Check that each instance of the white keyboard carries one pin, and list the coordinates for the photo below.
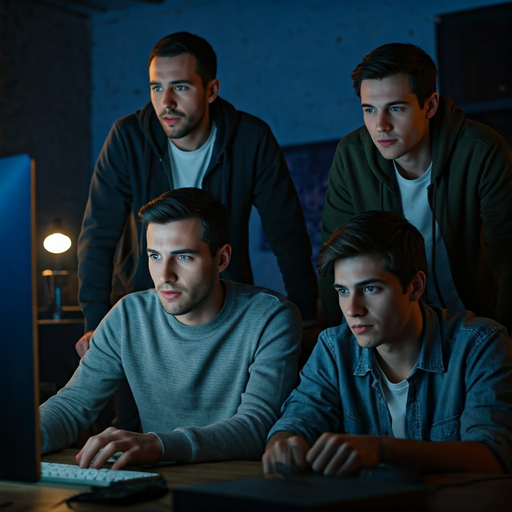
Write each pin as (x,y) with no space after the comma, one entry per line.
(71,474)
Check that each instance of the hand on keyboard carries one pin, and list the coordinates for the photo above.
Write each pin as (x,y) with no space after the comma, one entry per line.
(136,448)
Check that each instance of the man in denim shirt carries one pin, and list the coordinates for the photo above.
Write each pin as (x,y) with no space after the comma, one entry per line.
(398,375)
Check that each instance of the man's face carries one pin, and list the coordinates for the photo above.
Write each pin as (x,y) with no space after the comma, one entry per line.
(373,302)
(185,275)
(396,123)
(180,100)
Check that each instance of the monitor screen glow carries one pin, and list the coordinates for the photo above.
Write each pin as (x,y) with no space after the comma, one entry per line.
(19,426)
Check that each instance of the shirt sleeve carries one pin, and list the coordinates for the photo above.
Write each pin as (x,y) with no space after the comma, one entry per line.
(77,405)
(106,213)
(496,212)
(282,218)
(314,407)
(487,415)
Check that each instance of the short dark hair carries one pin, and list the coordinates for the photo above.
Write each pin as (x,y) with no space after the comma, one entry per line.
(190,203)
(395,59)
(185,42)
(385,235)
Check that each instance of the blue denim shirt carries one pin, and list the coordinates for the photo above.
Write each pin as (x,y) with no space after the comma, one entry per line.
(459,390)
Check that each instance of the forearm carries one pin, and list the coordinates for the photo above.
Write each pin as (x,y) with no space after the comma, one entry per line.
(425,456)
(236,438)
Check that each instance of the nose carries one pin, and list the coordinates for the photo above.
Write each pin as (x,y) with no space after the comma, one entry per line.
(382,122)
(353,305)
(168,274)
(169,99)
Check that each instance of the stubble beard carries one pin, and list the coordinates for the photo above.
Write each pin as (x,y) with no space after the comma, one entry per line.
(190,302)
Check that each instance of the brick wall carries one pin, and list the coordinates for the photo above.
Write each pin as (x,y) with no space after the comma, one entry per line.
(45,98)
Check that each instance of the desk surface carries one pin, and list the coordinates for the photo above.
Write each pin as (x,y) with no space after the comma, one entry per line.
(483,494)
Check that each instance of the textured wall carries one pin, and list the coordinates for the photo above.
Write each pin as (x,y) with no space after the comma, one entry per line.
(286,61)
(45,110)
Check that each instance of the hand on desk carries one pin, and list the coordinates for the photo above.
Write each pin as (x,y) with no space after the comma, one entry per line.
(332,454)
(343,454)
(137,448)
(82,345)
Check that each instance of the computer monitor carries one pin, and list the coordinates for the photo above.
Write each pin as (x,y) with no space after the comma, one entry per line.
(19,420)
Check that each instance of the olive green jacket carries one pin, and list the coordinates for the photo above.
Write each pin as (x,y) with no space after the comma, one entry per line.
(470,195)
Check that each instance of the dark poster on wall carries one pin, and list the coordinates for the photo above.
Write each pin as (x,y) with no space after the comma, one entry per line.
(309,166)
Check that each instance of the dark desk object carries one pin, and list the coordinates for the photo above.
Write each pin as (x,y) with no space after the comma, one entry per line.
(451,492)
(308,493)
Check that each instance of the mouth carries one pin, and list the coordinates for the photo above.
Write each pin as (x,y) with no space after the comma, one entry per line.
(360,329)
(171,121)
(171,117)
(169,294)
(386,142)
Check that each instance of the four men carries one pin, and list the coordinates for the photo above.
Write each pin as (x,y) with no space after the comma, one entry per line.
(211,361)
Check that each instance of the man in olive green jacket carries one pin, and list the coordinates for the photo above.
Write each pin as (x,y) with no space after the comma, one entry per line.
(418,155)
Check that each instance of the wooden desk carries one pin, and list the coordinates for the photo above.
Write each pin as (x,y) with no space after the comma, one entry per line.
(486,496)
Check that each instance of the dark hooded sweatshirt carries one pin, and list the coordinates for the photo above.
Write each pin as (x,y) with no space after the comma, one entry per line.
(247,168)
(470,195)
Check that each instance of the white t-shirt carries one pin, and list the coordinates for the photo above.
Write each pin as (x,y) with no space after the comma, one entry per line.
(189,167)
(396,400)
(417,211)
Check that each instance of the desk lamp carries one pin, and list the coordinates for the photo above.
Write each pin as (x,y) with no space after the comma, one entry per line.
(57,242)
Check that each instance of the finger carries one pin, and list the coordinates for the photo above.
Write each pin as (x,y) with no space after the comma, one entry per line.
(103,455)
(267,460)
(349,466)
(324,454)
(123,460)
(337,461)
(82,346)
(274,455)
(297,459)
(94,444)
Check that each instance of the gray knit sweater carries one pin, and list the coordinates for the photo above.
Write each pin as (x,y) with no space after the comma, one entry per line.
(209,392)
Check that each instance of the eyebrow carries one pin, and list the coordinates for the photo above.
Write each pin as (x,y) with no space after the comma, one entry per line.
(174,82)
(390,104)
(176,251)
(361,284)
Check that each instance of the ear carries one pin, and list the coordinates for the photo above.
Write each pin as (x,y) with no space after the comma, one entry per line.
(432,104)
(224,257)
(418,283)
(212,90)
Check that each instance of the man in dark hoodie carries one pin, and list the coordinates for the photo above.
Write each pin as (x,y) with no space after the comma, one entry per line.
(451,177)
(188,137)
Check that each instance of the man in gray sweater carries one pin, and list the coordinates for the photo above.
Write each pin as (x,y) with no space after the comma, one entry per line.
(209,361)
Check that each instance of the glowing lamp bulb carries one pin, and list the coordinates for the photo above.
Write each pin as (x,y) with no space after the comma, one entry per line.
(57,243)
